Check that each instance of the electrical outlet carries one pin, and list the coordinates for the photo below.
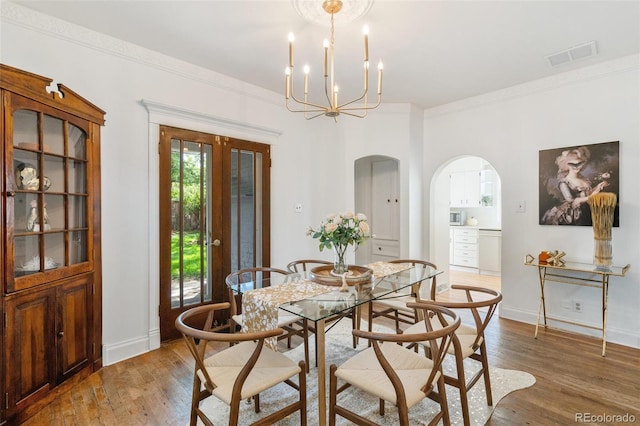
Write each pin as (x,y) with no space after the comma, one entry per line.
(521,206)
(298,208)
(577,306)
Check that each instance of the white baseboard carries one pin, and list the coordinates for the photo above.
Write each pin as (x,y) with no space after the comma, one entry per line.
(117,352)
(614,335)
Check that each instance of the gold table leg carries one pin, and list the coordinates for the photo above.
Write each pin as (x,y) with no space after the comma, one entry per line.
(541,306)
(605,301)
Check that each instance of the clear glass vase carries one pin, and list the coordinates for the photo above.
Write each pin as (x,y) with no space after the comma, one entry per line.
(602,253)
(340,265)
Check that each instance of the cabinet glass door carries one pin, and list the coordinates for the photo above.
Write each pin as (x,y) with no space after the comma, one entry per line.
(48,199)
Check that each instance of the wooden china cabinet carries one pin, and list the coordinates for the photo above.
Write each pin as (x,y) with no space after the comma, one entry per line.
(50,248)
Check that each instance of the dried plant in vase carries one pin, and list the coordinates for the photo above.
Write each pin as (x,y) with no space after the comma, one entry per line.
(602,205)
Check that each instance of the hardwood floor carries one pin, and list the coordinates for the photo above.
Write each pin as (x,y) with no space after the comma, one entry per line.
(571,378)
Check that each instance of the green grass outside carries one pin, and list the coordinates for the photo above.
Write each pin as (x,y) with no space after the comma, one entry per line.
(191,255)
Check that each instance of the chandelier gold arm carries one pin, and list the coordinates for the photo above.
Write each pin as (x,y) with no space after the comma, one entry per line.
(334,108)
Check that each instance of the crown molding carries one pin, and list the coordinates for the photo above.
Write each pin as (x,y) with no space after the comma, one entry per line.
(54,27)
(160,113)
(615,66)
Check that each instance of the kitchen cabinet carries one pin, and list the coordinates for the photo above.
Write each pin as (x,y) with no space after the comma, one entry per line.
(465,189)
(50,245)
(465,247)
(490,251)
(488,187)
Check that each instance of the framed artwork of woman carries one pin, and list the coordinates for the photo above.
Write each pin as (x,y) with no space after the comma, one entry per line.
(569,175)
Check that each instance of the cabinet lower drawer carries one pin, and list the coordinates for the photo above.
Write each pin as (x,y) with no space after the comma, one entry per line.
(389,248)
(469,261)
(465,246)
(465,239)
(465,253)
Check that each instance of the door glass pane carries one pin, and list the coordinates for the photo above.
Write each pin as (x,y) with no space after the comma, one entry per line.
(53,135)
(25,129)
(26,170)
(247,210)
(53,172)
(54,254)
(190,164)
(54,212)
(77,212)
(22,210)
(26,254)
(246,200)
(77,173)
(77,247)
(77,143)
(235,253)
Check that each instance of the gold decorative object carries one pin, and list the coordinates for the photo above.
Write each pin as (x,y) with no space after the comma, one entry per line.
(603,205)
(550,257)
(332,108)
(555,258)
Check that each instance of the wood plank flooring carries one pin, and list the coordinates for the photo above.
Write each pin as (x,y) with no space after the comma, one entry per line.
(571,378)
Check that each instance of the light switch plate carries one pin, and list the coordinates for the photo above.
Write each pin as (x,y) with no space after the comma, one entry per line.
(521,207)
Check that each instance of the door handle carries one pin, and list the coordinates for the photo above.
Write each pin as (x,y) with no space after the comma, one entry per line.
(216,242)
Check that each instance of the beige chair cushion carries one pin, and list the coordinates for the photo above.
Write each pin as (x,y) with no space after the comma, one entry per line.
(365,372)
(270,369)
(399,303)
(465,334)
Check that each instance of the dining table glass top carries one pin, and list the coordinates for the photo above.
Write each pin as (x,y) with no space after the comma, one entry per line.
(325,301)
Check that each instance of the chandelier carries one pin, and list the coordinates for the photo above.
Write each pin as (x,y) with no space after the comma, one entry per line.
(333,108)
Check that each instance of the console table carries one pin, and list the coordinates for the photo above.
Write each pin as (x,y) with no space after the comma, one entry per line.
(581,274)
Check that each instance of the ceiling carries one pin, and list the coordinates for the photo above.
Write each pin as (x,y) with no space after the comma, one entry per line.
(434,52)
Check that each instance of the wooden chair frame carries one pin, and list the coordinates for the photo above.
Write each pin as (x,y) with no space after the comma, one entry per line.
(481,319)
(303,265)
(401,315)
(251,275)
(197,340)
(438,340)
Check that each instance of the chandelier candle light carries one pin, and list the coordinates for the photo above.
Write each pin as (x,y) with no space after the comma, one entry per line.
(334,108)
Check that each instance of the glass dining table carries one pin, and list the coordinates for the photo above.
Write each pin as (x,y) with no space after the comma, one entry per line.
(318,303)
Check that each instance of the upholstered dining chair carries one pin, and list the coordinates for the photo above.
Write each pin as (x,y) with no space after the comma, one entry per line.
(292,325)
(394,373)
(469,340)
(239,372)
(395,306)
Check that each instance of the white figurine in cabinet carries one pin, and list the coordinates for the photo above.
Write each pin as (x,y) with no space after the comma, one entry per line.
(33,224)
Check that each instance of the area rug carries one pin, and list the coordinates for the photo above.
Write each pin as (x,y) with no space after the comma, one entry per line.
(338,349)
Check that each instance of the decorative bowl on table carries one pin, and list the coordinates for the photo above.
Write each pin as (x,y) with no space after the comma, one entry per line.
(356,275)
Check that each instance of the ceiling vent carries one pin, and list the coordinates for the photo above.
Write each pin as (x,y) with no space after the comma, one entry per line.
(582,51)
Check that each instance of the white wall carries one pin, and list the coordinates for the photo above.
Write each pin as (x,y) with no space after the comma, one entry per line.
(591,105)
(311,164)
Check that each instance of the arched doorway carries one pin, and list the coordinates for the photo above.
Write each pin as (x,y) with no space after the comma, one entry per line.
(377,188)
(469,248)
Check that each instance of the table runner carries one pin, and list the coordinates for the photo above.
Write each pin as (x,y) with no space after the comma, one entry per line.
(260,306)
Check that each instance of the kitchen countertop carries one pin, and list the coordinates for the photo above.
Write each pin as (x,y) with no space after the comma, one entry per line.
(480,228)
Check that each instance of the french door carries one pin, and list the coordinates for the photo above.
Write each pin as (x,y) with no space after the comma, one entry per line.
(214,217)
